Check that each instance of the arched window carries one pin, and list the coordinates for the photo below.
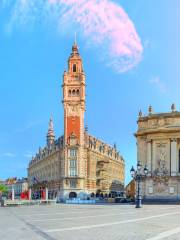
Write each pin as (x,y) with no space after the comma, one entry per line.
(77,92)
(74,68)
(73,92)
(69,92)
(72,185)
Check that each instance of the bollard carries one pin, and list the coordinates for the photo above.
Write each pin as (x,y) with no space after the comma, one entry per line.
(30,194)
(47,194)
(12,194)
(2,202)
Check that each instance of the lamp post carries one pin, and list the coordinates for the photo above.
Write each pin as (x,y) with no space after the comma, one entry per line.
(138,175)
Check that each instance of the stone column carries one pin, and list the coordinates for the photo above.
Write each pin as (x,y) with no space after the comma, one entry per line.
(12,194)
(149,157)
(173,157)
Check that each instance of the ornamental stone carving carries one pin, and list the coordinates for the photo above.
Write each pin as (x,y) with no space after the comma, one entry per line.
(160,183)
(152,123)
(73,110)
(169,121)
(161,122)
(161,160)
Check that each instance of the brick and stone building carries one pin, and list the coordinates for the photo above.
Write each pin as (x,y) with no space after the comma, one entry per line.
(158,147)
(77,163)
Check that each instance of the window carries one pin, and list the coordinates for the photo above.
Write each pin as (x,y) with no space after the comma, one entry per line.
(72,168)
(69,92)
(74,68)
(77,92)
(171,190)
(73,152)
(73,172)
(73,92)
(72,183)
(73,163)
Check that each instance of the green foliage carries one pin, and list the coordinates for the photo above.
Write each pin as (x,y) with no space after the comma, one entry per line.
(3,189)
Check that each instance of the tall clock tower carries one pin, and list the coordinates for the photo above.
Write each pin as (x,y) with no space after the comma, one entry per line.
(74,108)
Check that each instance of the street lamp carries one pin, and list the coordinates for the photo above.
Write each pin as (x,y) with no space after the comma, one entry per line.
(138,175)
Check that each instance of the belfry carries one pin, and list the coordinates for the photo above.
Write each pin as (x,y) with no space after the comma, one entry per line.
(76,164)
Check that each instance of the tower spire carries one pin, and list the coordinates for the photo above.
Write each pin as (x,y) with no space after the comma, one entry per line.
(75,48)
(50,134)
(75,38)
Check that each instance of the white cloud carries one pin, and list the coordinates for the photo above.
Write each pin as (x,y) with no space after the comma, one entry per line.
(28,126)
(9,154)
(156,82)
(28,154)
(103,24)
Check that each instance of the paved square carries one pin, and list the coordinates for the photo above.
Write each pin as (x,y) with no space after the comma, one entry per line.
(91,222)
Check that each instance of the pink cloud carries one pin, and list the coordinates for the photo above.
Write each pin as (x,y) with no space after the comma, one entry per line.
(103,24)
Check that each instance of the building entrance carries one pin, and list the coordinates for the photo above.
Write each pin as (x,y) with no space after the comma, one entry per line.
(72,195)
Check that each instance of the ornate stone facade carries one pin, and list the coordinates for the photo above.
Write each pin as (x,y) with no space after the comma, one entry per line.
(158,147)
(77,163)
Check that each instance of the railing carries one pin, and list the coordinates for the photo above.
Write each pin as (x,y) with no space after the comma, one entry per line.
(17,202)
(80,201)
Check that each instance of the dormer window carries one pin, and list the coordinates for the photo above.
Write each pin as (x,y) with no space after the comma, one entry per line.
(74,68)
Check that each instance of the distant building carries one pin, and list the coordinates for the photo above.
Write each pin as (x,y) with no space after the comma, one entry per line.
(77,163)
(2,182)
(11,180)
(19,185)
(10,183)
(158,146)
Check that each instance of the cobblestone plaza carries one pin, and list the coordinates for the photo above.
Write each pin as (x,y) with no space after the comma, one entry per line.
(90,222)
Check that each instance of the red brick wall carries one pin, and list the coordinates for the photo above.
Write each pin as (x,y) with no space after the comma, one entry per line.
(73,125)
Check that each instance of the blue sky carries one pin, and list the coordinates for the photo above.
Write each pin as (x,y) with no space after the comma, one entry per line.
(34,56)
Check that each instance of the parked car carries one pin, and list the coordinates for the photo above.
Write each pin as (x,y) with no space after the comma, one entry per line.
(122,200)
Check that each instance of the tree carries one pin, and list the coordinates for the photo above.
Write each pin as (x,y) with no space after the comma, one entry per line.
(3,189)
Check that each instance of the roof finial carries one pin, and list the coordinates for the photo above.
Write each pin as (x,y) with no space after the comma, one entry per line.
(50,134)
(140,113)
(51,124)
(173,107)
(75,38)
(75,46)
(50,128)
(150,109)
